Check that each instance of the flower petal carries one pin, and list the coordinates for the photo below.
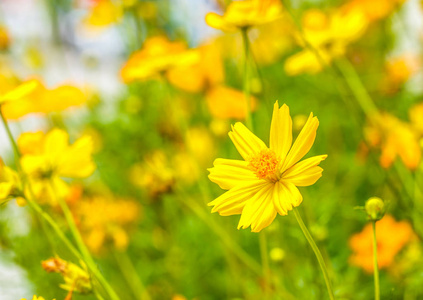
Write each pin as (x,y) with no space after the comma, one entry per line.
(228,173)
(245,141)
(281,131)
(233,201)
(259,211)
(285,196)
(217,21)
(306,172)
(303,142)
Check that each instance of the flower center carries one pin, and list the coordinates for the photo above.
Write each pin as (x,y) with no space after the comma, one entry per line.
(265,165)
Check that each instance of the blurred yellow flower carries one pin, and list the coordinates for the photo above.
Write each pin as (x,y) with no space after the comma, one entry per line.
(395,138)
(265,183)
(228,103)
(157,56)
(76,278)
(48,157)
(104,13)
(154,174)
(4,38)
(10,184)
(398,71)
(32,97)
(110,222)
(391,236)
(373,10)
(208,71)
(415,114)
(245,14)
(329,35)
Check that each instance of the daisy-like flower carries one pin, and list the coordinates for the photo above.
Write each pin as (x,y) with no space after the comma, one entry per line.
(265,182)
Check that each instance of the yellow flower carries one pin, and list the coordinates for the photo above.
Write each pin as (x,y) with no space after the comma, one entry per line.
(244,14)
(4,38)
(208,71)
(33,97)
(109,223)
(104,13)
(388,244)
(76,278)
(373,10)
(228,103)
(398,71)
(265,182)
(329,35)
(10,184)
(157,55)
(48,157)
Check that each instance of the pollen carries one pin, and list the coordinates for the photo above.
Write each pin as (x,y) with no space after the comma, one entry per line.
(264,164)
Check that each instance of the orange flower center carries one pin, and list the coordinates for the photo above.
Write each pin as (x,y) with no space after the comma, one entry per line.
(265,165)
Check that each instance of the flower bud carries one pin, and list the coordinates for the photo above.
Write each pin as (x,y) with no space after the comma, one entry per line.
(375,208)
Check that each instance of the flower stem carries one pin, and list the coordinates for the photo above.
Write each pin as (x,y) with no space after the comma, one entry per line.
(375,266)
(316,252)
(81,245)
(130,273)
(265,262)
(247,93)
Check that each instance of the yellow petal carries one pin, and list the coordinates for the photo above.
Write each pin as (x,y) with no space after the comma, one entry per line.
(259,211)
(303,142)
(305,173)
(56,142)
(281,131)
(293,194)
(77,161)
(216,21)
(233,201)
(245,141)
(21,91)
(228,173)
(281,199)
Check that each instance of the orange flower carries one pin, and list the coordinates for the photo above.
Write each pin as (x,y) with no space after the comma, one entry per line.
(228,103)
(392,236)
(395,138)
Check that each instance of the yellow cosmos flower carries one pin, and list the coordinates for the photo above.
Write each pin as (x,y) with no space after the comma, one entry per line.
(329,35)
(48,157)
(228,103)
(244,14)
(33,97)
(10,185)
(104,13)
(157,55)
(265,182)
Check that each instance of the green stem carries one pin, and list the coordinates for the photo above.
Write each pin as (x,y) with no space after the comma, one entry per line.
(265,262)
(316,252)
(375,267)
(130,273)
(81,245)
(247,93)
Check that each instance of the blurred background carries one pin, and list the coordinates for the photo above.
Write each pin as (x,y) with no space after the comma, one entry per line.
(156,88)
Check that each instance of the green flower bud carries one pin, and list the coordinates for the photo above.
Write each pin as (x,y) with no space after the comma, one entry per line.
(375,208)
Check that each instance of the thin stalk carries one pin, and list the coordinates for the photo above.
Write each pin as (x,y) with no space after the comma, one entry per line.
(130,273)
(316,252)
(265,262)
(247,92)
(81,245)
(375,266)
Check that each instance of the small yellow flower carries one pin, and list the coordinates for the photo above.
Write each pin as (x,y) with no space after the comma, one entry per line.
(76,278)
(265,183)
(245,14)
(19,92)
(10,184)
(104,13)
(157,55)
(4,38)
(46,158)
(329,35)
